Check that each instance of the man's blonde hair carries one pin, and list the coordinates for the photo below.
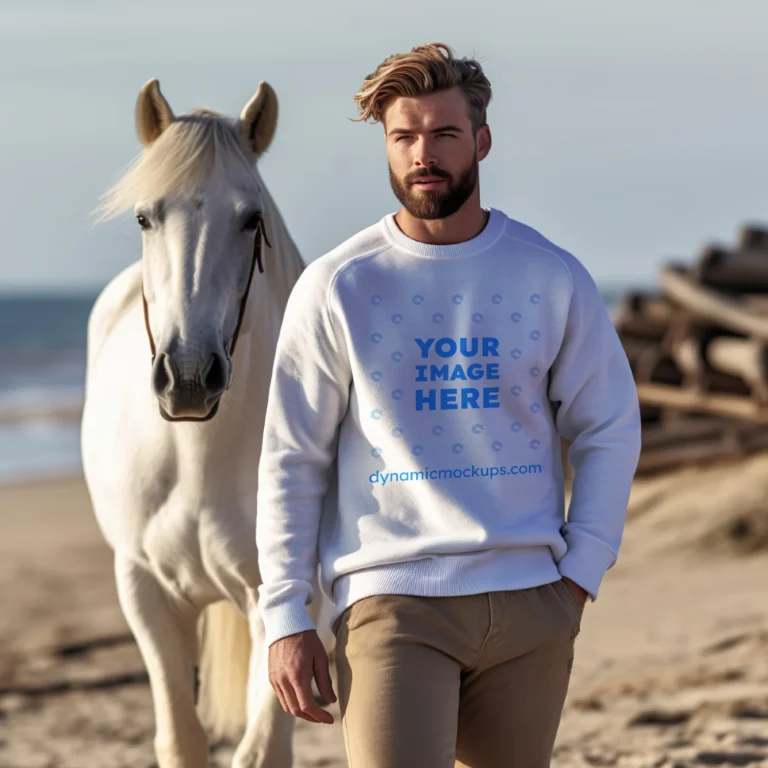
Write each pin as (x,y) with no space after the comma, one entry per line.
(425,69)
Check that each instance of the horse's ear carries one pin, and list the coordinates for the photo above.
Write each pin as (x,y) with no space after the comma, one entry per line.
(258,119)
(153,113)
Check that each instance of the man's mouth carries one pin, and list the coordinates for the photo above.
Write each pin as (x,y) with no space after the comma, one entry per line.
(428,182)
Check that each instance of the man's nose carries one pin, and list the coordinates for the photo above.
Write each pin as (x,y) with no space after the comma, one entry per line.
(425,155)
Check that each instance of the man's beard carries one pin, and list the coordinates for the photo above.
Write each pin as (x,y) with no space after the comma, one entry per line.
(434,204)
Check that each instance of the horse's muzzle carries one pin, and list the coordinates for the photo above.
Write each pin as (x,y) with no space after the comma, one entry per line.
(186,392)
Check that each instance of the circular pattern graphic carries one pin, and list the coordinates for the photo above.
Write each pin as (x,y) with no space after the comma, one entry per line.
(377,375)
(515,317)
(397,432)
(535,408)
(438,430)
(397,394)
(496,298)
(535,298)
(457,447)
(376,338)
(457,298)
(515,426)
(535,371)
(477,428)
(376,299)
(397,318)
(535,334)
(417,450)
(496,445)
(418,299)
(376,414)
(437,318)
(516,390)
(477,317)
(516,354)
(376,452)
(535,444)
(397,356)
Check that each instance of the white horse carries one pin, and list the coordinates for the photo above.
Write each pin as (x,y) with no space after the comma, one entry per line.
(180,352)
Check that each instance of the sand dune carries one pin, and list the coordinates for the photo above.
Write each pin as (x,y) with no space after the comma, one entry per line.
(671,666)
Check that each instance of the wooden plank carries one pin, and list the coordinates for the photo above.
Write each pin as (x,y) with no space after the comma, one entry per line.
(666,458)
(757,441)
(635,348)
(687,356)
(727,439)
(643,314)
(735,272)
(712,305)
(717,364)
(656,366)
(756,303)
(744,358)
(685,429)
(718,382)
(753,236)
(733,406)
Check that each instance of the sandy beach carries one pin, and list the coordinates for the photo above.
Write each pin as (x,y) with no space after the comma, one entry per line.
(671,664)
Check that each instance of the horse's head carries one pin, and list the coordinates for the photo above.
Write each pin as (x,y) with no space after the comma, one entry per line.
(198,202)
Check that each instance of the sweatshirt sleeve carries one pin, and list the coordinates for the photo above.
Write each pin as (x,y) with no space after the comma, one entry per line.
(596,407)
(308,398)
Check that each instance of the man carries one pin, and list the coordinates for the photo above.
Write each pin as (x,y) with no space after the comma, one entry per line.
(424,373)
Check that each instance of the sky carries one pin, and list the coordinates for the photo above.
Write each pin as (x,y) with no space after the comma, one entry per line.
(629,133)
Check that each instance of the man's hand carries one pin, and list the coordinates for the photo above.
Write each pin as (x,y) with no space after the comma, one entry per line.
(579,595)
(293,661)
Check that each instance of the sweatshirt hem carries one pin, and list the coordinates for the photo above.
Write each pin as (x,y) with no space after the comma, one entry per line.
(449,576)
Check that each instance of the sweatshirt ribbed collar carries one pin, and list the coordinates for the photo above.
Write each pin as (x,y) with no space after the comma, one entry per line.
(485,239)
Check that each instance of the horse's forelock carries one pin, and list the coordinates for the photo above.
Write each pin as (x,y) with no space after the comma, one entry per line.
(178,162)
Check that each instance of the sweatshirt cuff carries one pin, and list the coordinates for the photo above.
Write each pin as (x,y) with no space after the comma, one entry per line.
(586,561)
(286,618)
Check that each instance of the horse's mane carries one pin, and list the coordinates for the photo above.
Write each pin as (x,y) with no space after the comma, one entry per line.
(178,162)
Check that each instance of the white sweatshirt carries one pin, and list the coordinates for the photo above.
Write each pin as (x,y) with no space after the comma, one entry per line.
(411,443)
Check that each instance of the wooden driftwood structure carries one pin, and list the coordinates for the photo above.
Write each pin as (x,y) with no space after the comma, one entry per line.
(698,349)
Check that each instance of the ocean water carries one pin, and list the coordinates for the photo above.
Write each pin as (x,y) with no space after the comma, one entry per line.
(42,378)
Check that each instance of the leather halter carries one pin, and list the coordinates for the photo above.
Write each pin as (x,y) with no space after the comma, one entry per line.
(256,259)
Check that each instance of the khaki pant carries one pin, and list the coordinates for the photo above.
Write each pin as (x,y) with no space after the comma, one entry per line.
(476,681)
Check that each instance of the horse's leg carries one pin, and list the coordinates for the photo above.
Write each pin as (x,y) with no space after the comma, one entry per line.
(166,637)
(267,740)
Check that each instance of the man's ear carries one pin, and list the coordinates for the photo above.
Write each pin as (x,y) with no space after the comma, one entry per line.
(483,141)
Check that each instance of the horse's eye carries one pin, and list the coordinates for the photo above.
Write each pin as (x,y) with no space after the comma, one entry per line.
(252,222)
(143,221)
